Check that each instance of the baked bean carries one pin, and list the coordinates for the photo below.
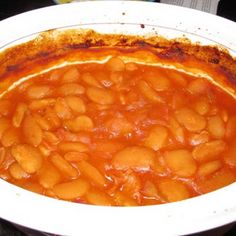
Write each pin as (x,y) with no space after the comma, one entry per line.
(108,146)
(115,64)
(48,176)
(131,185)
(150,190)
(159,83)
(52,118)
(209,151)
(42,122)
(218,180)
(229,156)
(10,137)
(198,86)
(32,131)
(178,100)
(55,75)
(41,103)
(196,139)
(72,189)
(123,200)
(191,120)
(28,157)
(96,197)
(180,162)
(90,80)
(173,190)
(76,104)
(2,154)
(80,123)
(177,77)
(70,89)
(100,96)
(209,168)
(98,107)
(76,156)
(116,77)
(38,91)
(49,193)
(157,138)
(19,114)
(17,172)
(33,187)
(70,76)
(62,109)
(216,127)
(201,106)
(131,66)
(51,137)
(149,92)
(63,166)
(135,157)
(45,151)
(73,147)
(176,130)
(92,173)
(4,125)
(224,115)
(159,166)
(230,131)
(119,126)
(5,108)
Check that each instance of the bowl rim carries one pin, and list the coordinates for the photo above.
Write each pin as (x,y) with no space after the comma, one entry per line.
(61,217)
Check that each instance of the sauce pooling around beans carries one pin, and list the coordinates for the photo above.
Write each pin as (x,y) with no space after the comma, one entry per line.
(119,134)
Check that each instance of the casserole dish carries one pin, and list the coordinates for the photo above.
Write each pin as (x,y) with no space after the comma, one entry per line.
(49,215)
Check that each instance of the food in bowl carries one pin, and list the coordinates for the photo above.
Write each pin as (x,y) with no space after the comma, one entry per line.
(126,122)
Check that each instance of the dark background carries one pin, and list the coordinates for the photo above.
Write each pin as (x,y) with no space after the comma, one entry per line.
(226,8)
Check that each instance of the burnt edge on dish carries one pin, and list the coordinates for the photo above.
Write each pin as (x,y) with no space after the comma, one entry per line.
(55,46)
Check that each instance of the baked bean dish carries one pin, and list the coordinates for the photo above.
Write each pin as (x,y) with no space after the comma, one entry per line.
(126,122)
(118,134)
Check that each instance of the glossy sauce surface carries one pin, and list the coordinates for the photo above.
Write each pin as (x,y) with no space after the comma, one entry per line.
(119,134)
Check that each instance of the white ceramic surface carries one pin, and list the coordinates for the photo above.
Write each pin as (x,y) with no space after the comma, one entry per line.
(65,218)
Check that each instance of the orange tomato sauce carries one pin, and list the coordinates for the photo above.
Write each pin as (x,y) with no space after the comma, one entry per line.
(117,134)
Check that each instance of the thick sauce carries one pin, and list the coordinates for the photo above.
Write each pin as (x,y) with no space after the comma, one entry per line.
(119,134)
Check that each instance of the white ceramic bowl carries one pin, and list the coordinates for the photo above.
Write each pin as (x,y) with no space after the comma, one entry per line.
(60,217)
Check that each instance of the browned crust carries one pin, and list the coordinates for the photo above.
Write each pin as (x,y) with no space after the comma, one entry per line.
(54,46)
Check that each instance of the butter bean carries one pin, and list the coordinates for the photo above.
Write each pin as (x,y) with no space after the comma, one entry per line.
(180,162)
(149,92)
(72,189)
(191,120)
(28,157)
(63,166)
(173,190)
(32,131)
(19,114)
(80,123)
(92,173)
(100,96)
(135,157)
(208,151)
(157,138)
